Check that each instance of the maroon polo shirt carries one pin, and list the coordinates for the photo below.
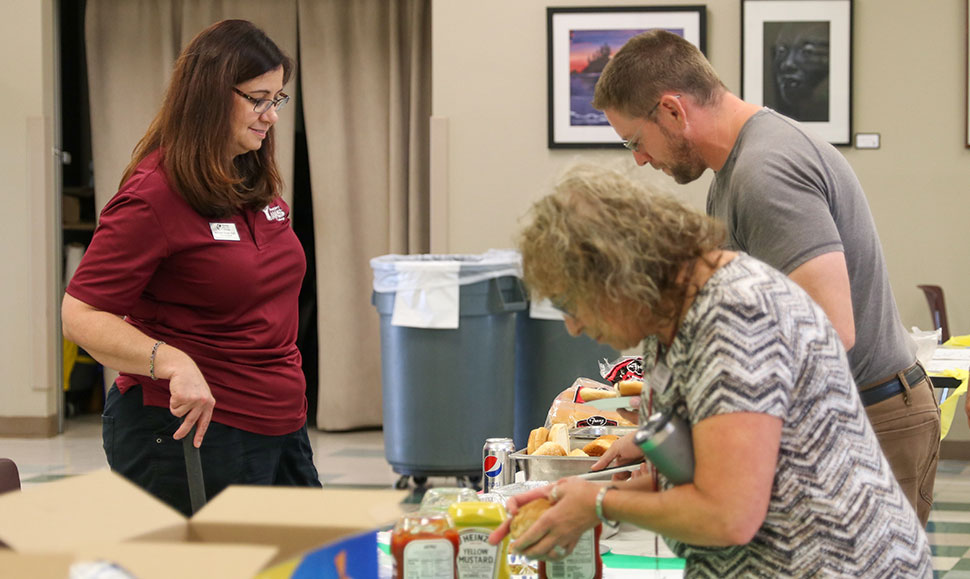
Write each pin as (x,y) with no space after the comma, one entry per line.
(224,290)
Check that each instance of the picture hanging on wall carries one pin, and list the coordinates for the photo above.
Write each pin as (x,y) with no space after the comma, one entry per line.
(580,43)
(796,58)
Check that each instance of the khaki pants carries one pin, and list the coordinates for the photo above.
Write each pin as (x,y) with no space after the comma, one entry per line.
(908,429)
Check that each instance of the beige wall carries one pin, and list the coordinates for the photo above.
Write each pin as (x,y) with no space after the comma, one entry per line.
(490,91)
(490,84)
(27,294)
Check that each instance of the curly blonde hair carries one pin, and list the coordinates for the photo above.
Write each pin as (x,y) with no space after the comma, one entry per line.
(602,239)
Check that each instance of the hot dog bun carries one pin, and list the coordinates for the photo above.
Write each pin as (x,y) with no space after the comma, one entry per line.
(527,515)
(629,387)
(589,394)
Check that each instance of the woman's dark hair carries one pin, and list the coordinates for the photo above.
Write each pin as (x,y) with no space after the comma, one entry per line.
(193,128)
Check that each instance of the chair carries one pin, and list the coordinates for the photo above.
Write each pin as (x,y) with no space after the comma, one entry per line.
(934,297)
(9,476)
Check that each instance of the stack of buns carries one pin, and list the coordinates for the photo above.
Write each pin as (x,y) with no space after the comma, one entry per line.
(549,441)
(555,442)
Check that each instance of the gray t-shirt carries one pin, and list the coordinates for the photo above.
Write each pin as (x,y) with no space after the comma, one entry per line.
(786,197)
(753,341)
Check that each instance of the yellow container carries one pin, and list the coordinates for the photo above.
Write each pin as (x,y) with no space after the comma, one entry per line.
(476,559)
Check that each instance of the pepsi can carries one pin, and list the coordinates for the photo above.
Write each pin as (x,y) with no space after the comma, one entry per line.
(498,468)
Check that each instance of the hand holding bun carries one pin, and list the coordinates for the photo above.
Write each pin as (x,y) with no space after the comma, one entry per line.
(528,514)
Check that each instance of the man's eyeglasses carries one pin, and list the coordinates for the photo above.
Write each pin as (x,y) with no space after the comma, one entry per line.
(633,143)
(262,105)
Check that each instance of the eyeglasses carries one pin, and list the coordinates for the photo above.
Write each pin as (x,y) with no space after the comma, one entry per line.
(633,144)
(262,105)
(564,305)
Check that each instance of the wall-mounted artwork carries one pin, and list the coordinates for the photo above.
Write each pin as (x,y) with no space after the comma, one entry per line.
(580,43)
(796,58)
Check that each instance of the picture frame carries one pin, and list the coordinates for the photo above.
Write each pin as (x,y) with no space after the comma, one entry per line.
(796,58)
(580,40)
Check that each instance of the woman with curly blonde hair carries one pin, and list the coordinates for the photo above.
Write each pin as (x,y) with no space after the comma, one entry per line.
(789,479)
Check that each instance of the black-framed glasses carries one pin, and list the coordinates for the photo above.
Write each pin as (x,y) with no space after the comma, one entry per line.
(633,143)
(262,105)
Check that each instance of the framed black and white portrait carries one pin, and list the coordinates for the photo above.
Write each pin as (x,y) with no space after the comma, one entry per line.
(796,58)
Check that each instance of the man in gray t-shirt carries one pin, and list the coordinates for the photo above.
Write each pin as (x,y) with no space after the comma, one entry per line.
(791,200)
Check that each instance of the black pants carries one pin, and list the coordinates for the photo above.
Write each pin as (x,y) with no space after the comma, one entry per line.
(138,444)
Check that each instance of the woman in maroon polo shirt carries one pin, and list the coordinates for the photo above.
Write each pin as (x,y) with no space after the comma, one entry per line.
(190,285)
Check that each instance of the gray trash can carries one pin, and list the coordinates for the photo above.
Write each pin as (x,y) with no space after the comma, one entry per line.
(446,390)
(547,361)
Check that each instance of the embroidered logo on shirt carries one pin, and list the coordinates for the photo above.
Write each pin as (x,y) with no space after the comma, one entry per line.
(224,231)
(274,213)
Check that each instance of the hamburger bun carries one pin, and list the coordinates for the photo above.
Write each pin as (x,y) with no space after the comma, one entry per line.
(577,452)
(589,394)
(528,514)
(550,449)
(536,438)
(600,445)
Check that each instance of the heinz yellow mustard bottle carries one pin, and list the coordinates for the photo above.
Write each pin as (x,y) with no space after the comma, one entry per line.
(476,559)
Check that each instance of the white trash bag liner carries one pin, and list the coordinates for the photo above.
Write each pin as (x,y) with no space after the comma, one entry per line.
(427,286)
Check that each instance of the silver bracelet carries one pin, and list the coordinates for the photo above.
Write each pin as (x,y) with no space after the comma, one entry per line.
(599,508)
(151,361)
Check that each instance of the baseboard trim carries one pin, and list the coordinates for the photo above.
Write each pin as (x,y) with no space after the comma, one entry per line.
(955,449)
(28,426)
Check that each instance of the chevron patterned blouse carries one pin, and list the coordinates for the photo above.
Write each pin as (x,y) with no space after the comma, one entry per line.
(753,341)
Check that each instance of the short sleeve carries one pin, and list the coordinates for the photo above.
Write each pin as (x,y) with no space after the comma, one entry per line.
(783,213)
(124,254)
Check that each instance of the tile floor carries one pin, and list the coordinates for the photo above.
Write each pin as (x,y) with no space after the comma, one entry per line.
(356,459)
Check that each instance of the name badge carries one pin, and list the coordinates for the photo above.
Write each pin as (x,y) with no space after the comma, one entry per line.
(224,231)
(659,378)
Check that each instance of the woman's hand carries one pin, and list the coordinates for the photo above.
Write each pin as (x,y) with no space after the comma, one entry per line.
(190,396)
(554,534)
(622,451)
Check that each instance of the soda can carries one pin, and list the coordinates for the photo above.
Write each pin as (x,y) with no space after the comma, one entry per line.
(498,468)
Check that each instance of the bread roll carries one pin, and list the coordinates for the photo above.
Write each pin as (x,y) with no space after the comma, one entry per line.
(559,433)
(528,514)
(629,387)
(589,394)
(577,452)
(550,449)
(536,438)
(600,445)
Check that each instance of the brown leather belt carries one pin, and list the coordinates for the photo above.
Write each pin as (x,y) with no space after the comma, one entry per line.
(892,387)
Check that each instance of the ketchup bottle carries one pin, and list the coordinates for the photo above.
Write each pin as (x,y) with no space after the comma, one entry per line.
(584,562)
(424,545)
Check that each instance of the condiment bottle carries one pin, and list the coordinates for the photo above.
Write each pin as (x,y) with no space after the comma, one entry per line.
(476,559)
(440,498)
(424,545)
(584,562)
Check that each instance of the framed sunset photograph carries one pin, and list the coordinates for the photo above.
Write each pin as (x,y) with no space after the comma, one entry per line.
(580,43)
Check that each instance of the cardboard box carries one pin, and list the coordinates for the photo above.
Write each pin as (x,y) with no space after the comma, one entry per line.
(104,515)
